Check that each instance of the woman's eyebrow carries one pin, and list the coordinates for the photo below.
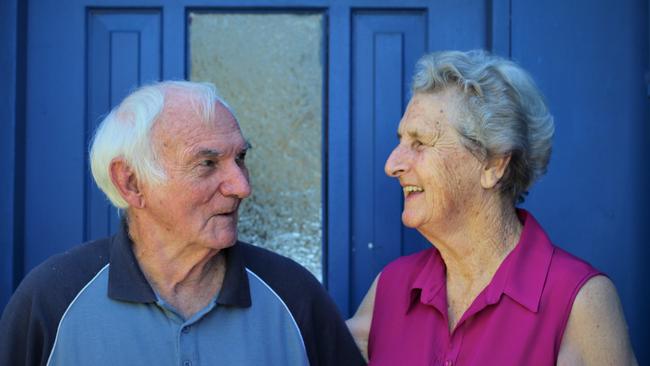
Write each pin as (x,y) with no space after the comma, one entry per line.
(415,134)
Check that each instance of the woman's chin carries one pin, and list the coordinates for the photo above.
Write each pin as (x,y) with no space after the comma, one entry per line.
(410,220)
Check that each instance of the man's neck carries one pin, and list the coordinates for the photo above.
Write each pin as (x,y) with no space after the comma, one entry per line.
(185,275)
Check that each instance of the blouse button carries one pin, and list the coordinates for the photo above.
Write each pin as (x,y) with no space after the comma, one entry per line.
(449,363)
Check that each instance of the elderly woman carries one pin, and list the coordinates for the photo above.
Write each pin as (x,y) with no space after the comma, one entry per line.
(493,289)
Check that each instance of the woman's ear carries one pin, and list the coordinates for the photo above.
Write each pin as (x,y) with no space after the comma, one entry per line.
(124,178)
(494,169)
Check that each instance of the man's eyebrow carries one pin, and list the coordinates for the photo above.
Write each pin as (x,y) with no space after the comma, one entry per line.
(208,153)
(212,153)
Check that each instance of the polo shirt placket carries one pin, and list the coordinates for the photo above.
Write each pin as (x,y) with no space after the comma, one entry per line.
(186,330)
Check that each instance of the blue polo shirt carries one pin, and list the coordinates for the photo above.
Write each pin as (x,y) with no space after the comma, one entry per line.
(93,306)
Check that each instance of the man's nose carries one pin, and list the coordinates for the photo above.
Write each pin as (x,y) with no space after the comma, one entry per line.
(236,183)
(396,164)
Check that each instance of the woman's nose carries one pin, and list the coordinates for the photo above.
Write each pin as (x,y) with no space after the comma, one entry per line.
(396,162)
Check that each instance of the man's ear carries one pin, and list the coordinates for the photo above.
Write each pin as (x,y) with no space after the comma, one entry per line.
(124,178)
(494,169)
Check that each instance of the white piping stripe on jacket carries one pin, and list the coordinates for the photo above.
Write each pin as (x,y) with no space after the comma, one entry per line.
(58,328)
(304,348)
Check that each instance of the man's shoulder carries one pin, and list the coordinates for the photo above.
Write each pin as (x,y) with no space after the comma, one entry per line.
(293,283)
(275,268)
(28,325)
(324,333)
(66,273)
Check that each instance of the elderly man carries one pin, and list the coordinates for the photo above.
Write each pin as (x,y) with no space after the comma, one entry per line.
(173,286)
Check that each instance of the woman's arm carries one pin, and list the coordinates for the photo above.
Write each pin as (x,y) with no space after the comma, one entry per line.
(596,333)
(359,324)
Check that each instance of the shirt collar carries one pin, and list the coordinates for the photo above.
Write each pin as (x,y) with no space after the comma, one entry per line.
(126,282)
(430,284)
(521,276)
(523,273)
(235,290)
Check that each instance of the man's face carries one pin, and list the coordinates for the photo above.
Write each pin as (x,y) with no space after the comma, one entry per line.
(206,176)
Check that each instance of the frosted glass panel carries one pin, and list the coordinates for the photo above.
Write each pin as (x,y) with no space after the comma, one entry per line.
(269,69)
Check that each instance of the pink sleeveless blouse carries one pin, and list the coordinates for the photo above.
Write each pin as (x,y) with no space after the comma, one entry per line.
(518,319)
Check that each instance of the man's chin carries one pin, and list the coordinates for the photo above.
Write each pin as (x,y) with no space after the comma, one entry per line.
(221,243)
(222,237)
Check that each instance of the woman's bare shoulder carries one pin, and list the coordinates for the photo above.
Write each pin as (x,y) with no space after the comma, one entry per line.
(359,324)
(596,333)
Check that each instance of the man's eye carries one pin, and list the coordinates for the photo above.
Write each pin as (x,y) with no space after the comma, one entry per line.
(241,158)
(207,163)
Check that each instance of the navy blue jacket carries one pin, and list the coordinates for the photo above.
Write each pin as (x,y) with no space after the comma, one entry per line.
(93,306)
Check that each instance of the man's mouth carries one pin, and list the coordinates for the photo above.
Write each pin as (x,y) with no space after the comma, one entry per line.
(228,212)
(408,190)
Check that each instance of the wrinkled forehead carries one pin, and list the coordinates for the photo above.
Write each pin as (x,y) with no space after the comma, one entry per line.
(429,113)
(182,109)
(182,125)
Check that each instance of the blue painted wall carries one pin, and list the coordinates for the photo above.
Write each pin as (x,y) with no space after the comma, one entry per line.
(12,149)
(590,58)
(68,62)
(8,27)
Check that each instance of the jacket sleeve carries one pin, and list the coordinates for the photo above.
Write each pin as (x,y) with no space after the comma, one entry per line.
(328,339)
(24,339)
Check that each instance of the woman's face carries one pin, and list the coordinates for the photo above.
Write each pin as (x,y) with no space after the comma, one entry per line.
(440,178)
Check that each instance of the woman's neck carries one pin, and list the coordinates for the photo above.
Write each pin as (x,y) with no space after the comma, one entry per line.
(473,247)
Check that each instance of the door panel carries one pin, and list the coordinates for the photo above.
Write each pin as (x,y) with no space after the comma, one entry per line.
(385,47)
(124,50)
(55,133)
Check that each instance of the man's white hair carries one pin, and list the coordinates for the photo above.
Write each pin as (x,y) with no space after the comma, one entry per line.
(126,132)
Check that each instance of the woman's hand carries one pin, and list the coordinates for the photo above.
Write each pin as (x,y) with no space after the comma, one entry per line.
(596,333)
(359,324)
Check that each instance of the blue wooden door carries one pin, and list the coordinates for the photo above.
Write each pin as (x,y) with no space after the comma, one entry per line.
(68,62)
